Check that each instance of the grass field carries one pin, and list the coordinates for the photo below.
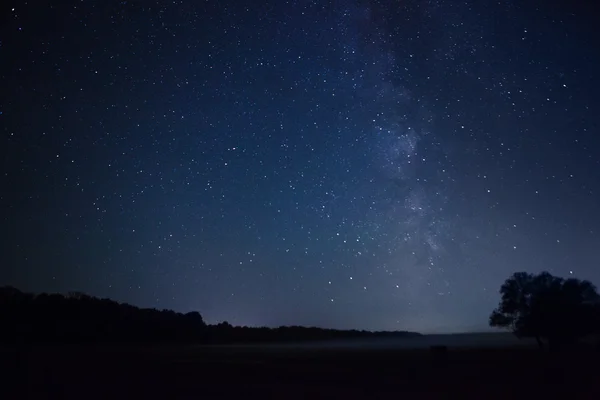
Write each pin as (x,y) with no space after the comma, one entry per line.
(295,372)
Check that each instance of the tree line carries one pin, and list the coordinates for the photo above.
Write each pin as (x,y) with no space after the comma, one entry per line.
(557,312)
(77,317)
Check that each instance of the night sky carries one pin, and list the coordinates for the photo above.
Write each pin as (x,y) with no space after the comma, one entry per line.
(344,164)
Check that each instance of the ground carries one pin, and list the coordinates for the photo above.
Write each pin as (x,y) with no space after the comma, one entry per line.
(199,372)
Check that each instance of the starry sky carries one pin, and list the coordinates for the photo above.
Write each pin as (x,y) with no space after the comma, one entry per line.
(338,163)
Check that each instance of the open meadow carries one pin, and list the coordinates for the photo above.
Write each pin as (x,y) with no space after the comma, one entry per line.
(342,370)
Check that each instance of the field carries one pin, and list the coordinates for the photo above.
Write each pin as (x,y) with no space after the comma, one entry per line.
(296,372)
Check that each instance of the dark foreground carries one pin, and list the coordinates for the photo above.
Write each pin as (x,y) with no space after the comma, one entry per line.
(95,372)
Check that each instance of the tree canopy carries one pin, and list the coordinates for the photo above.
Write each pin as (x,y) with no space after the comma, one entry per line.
(547,307)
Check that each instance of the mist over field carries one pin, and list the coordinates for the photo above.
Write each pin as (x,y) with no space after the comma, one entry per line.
(459,340)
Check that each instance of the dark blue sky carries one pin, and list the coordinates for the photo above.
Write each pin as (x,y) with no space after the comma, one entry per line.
(347,164)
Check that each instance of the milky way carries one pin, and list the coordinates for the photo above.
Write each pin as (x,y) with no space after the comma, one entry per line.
(371,165)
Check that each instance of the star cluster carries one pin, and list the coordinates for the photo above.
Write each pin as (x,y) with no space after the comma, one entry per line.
(359,164)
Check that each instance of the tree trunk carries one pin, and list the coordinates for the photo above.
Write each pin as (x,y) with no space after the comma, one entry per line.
(539,342)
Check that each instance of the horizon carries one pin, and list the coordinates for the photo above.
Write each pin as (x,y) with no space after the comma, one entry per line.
(475,330)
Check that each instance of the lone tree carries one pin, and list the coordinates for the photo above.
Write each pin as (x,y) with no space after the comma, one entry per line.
(546,307)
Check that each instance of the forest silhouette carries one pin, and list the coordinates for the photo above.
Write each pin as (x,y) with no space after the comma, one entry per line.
(550,309)
(77,317)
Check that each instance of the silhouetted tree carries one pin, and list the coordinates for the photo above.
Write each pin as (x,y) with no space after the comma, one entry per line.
(546,307)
